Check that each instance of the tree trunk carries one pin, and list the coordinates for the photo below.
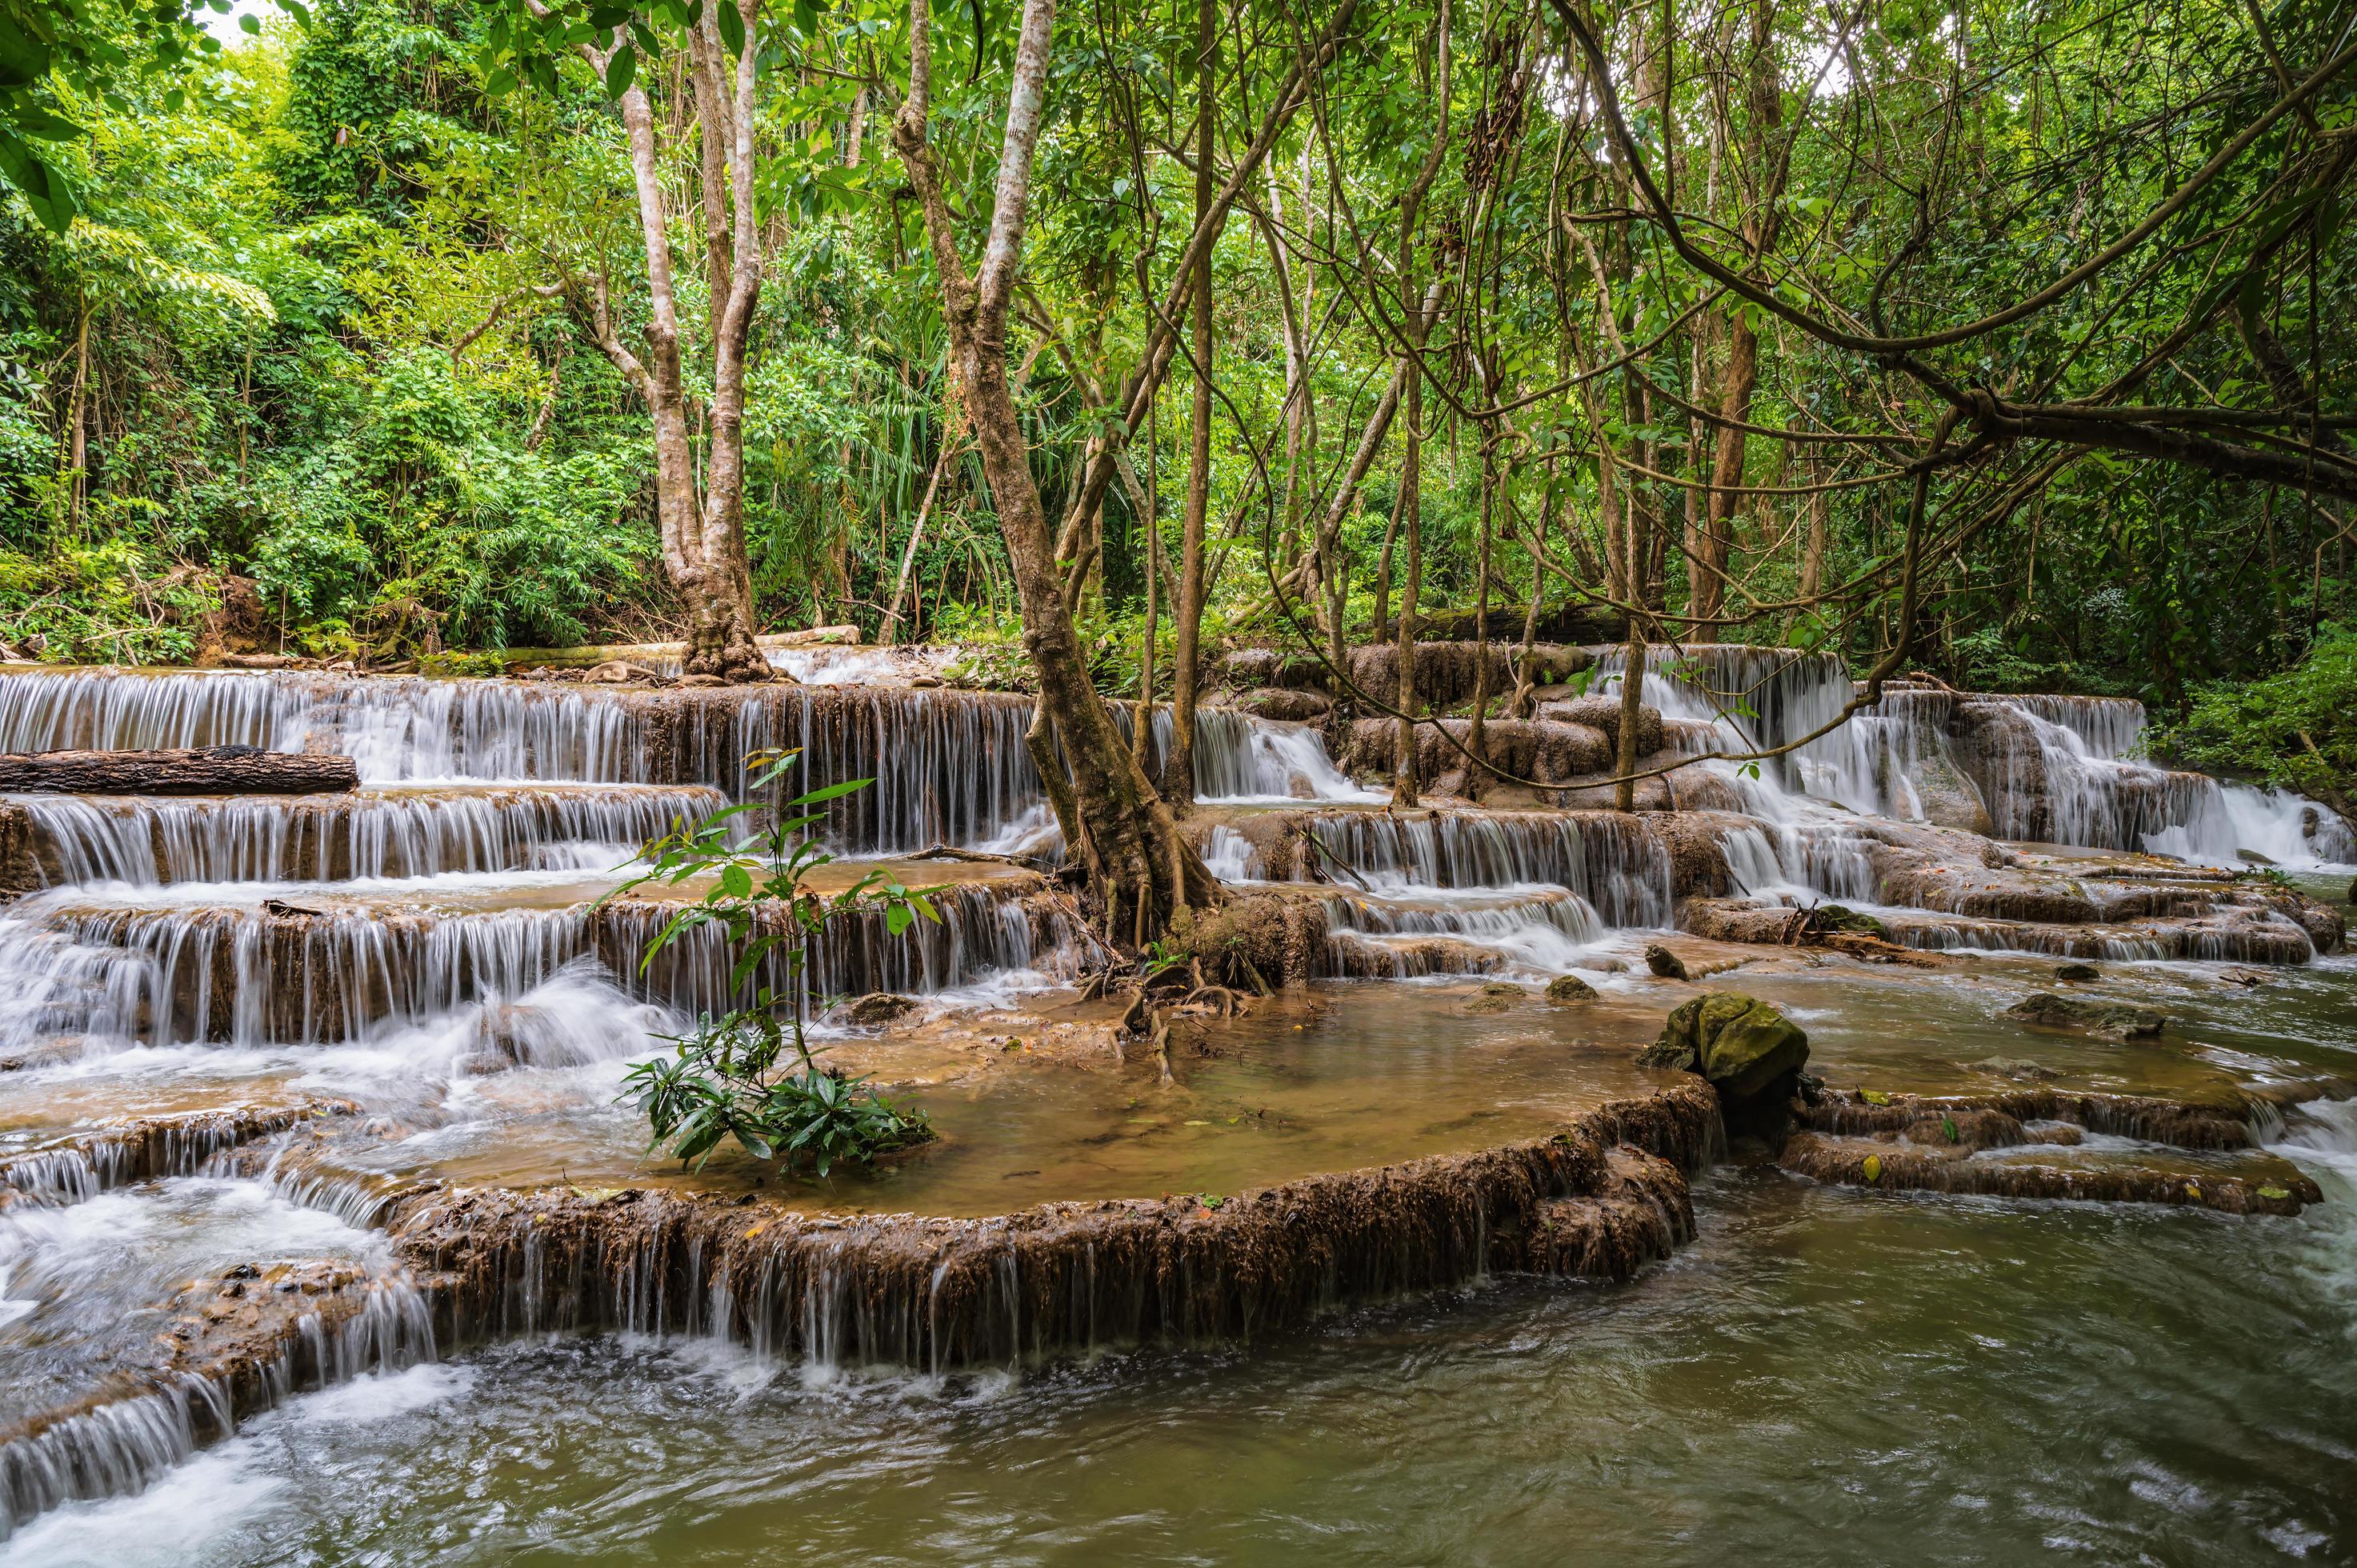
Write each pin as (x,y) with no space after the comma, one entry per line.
(1179,776)
(702,516)
(210,770)
(1632,678)
(1763,183)
(1120,829)
(78,433)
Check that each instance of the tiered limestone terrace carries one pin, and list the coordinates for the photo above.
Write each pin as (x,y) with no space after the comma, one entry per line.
(294,1087)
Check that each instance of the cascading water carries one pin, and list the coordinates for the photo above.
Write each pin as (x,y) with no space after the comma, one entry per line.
(2060,769)
(393,832)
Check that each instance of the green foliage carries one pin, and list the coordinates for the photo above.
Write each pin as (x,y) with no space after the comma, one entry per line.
(2296,730)
(750,1075)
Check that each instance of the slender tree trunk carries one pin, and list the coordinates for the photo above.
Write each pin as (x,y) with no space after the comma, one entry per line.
(1813,544)
(1405,781)
(1763,185)
(700,507)
(1178,777)
(1412,304)
(78,429)
(1632,679)
(1476,736)
(1120,829)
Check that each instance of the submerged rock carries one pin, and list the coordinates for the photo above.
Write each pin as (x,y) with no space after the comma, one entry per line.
(2015,1068)
(1664,964)
(2104,1020)
(1497,997)
(2077,972)
(879,1008)
(1570,988)
(1741,1044)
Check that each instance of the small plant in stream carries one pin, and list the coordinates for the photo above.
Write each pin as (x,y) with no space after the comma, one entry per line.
(750,1074)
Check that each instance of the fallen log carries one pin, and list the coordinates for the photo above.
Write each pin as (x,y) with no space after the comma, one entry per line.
(213,771)
(590,654)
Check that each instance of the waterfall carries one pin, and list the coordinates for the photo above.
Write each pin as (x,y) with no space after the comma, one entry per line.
(1614,862)
(246,976)
(2072,775)
(1241,758)
(393,832)
(1542,934)
(1230,856)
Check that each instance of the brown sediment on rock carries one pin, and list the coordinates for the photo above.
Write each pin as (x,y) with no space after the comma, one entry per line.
(1696,841)
(1601,713)
(1060,1278)
(20,866)
(2243,935)
(1644,1212)
(142,1148)
(1290,704)
(2184,1124)
(2255,1184)
(2104,1019)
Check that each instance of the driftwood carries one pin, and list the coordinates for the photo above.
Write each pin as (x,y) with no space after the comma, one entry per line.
(590,654)
(214,770)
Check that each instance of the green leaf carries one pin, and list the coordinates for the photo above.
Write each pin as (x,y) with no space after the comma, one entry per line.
(620,69)
(35,121)
(44,188)
(1872,1168)
(23,58)
(732,27)
(833,792)
(2275,1193)
(737,882)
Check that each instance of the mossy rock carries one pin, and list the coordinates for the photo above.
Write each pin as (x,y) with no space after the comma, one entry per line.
(1666,964)
(1570,988)
(1740,1044)
(2104,1020)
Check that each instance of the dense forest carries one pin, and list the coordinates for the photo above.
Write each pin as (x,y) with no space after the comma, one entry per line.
(1995,341)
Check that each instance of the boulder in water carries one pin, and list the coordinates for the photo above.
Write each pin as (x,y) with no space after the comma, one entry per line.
(1946,794)
(2104,1020)
(879,1008)
(1664,964)
(1602,711)
(2017,1067)
(1496,997)
(2077,972)
(1570,988)
(1750,1052)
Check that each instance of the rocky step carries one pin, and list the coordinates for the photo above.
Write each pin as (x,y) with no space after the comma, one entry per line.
(1598,1199)
(75,1166)
(2054,1170)
(318,965)
(394,831)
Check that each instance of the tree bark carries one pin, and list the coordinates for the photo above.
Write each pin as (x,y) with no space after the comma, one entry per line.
(1179,776)
(211,770)
(702,516)
(1119,828)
